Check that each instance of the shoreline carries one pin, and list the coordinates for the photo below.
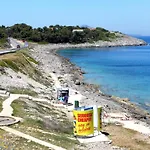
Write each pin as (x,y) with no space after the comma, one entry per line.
(136,111)
(122,41)
(73,78)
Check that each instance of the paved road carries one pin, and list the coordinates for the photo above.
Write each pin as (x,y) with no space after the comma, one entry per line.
(13,43)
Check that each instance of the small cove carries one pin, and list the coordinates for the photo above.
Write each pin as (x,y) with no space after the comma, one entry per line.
(120,71)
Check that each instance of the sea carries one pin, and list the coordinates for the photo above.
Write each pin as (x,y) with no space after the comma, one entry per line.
(120,71)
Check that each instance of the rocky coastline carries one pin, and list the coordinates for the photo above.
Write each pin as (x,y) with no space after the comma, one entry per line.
(49,68)
(126,106)
(73,76)
(122,40)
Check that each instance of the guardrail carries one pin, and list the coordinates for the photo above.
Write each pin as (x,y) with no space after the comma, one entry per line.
(2,52)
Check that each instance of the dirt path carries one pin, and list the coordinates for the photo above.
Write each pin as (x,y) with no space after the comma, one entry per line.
(8,112)
(73,94)
(7,109)
(28,137)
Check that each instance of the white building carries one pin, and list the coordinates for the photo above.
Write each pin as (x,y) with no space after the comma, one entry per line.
(77,30)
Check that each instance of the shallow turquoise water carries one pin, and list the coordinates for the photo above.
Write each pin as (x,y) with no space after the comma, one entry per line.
(123,72)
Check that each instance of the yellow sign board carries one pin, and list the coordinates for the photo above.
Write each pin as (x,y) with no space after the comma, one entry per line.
(83,122)
(99,111)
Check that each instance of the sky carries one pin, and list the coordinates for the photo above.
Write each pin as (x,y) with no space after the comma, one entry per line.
(127,16)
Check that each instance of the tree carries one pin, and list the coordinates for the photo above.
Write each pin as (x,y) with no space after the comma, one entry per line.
(35,36)
(78,37)
(55,34)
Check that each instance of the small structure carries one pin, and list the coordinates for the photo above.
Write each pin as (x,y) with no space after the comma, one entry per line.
(83,122)
(63,95)
(86,119)
(77,30)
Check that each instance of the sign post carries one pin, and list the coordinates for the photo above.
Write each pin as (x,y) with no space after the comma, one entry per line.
(99,126)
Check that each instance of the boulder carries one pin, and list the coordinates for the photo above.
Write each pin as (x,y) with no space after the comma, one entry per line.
(83,72)
(77,82)
(2,70)
(125,99)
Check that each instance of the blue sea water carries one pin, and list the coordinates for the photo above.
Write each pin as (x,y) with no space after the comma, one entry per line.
(120,71)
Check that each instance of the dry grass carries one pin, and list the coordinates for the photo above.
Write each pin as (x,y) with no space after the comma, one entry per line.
(22,62)
(12,142)
(23,91)
(127,138)
(57,129)
(19,61)
(11,56)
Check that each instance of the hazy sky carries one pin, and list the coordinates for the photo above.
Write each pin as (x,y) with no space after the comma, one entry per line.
(128,16)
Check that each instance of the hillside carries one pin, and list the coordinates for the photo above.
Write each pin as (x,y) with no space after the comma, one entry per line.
(57,33)
(19,74)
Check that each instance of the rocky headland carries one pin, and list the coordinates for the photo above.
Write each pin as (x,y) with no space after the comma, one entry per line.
(121,40)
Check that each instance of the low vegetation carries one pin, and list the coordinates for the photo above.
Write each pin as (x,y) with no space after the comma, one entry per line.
(22,62)
(3,37)
(19,61)
(127,138)
(57,33)
(23,91)
(10,142)
(44,122)
(3,43)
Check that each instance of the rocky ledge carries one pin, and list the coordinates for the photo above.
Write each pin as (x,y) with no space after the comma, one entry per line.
(121,40)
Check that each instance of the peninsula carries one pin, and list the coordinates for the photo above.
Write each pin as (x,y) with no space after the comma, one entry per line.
(74,35)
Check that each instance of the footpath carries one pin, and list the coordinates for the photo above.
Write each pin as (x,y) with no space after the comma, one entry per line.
(8,112)
(121,118)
